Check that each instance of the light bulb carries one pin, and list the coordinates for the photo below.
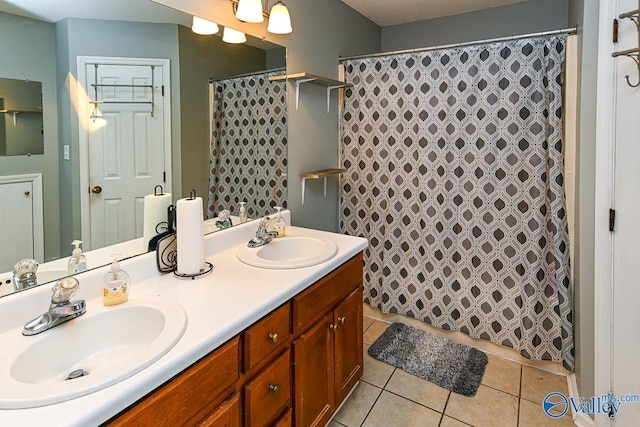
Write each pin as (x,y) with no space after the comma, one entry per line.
(279,19)
(204,27)
(250,11)
(229,35)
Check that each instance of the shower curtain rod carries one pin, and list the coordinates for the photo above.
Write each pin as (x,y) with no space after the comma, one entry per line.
(255,73)
(571,30)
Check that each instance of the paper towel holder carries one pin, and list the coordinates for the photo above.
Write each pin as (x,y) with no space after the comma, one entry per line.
(155,190)
(208,268)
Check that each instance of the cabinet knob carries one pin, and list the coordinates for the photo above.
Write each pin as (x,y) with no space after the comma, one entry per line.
(27,193)
(334,327)
(342,320)
(273,337)
(274,388)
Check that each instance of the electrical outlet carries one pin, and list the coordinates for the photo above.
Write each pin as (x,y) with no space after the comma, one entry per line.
(66,152)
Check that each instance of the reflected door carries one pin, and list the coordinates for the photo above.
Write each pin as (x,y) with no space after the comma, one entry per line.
(126,147)
(16,224)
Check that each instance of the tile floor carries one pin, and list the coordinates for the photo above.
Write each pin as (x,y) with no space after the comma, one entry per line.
(510,393)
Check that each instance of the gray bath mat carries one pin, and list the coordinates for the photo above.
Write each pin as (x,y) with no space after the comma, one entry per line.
(454,366)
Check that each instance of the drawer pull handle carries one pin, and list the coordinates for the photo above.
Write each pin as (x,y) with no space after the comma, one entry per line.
(273,337)
(274,388)
(334,327)
(342,320)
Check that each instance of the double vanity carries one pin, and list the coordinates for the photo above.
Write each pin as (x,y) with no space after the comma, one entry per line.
(272,336)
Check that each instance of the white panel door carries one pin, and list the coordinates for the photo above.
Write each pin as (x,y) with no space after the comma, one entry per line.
(126,148)
(16,224)
(626,237)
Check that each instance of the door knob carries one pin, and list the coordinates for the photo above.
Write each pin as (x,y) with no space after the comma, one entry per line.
(96,190)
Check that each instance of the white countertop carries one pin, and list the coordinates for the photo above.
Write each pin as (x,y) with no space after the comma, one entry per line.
(218,307)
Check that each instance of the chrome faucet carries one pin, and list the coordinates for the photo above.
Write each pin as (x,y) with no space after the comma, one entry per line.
(60,310)
(224,220)
(24,274)
(262,236)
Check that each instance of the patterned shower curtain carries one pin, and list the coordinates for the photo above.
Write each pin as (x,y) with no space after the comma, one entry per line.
(455,175)
(248,160)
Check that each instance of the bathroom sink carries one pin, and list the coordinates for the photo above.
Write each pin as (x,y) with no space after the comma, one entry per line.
(87,354)
(291,251)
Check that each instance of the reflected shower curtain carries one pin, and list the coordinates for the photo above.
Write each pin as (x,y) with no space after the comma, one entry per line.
(248,160)
(455,176)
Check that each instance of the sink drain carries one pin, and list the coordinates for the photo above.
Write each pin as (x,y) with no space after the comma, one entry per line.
(77,374)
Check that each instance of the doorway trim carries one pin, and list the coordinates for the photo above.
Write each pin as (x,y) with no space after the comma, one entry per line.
(604,200)
(83,110)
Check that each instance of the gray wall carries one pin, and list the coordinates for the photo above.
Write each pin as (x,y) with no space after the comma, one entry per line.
(322,31)
(85,37)
(519,18)
(585,13)
(202,57)
(27,47)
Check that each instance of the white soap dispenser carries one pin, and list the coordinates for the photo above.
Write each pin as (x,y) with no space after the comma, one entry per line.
(243,212)
(116,284)
(77,262)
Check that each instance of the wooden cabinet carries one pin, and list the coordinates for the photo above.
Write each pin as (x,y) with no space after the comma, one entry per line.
(313,375)
(328,362)
(189,394)
(347,318)
(328,353)
(310,347)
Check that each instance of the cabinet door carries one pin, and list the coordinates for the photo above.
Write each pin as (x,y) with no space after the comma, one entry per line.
(347,318)
(229,414)
(313,375)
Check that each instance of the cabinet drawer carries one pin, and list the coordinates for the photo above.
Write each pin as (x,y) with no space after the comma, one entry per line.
(229,414)
(286,420)
(266,337)
(183,397)
(316,301)
(269,393)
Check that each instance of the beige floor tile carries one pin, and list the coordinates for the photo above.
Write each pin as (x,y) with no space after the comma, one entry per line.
(375,372)
(536,384)
(357,406)
(366,322)
(502,374)
(450,422)
(532,415)
(489,407)
(394,411)
(419,390)
(334,423)
(374,331)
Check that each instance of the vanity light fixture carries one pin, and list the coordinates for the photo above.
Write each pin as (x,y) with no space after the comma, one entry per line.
(204,27)
(229,35)
(253,11)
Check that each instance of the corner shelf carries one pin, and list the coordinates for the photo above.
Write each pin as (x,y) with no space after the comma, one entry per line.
(300,78)
(324,173)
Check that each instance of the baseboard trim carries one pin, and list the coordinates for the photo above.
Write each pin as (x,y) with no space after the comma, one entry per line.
(579,418)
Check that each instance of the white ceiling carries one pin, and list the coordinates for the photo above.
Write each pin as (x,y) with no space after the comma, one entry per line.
(382,12)
(122,10)
(393,12)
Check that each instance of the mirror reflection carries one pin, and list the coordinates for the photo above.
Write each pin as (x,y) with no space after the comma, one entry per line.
(129,102)
(20,117)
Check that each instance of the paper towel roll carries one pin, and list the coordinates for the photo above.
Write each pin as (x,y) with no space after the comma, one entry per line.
(190,234)
(155,212)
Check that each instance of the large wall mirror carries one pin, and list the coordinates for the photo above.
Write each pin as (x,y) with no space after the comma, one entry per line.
(224,133)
